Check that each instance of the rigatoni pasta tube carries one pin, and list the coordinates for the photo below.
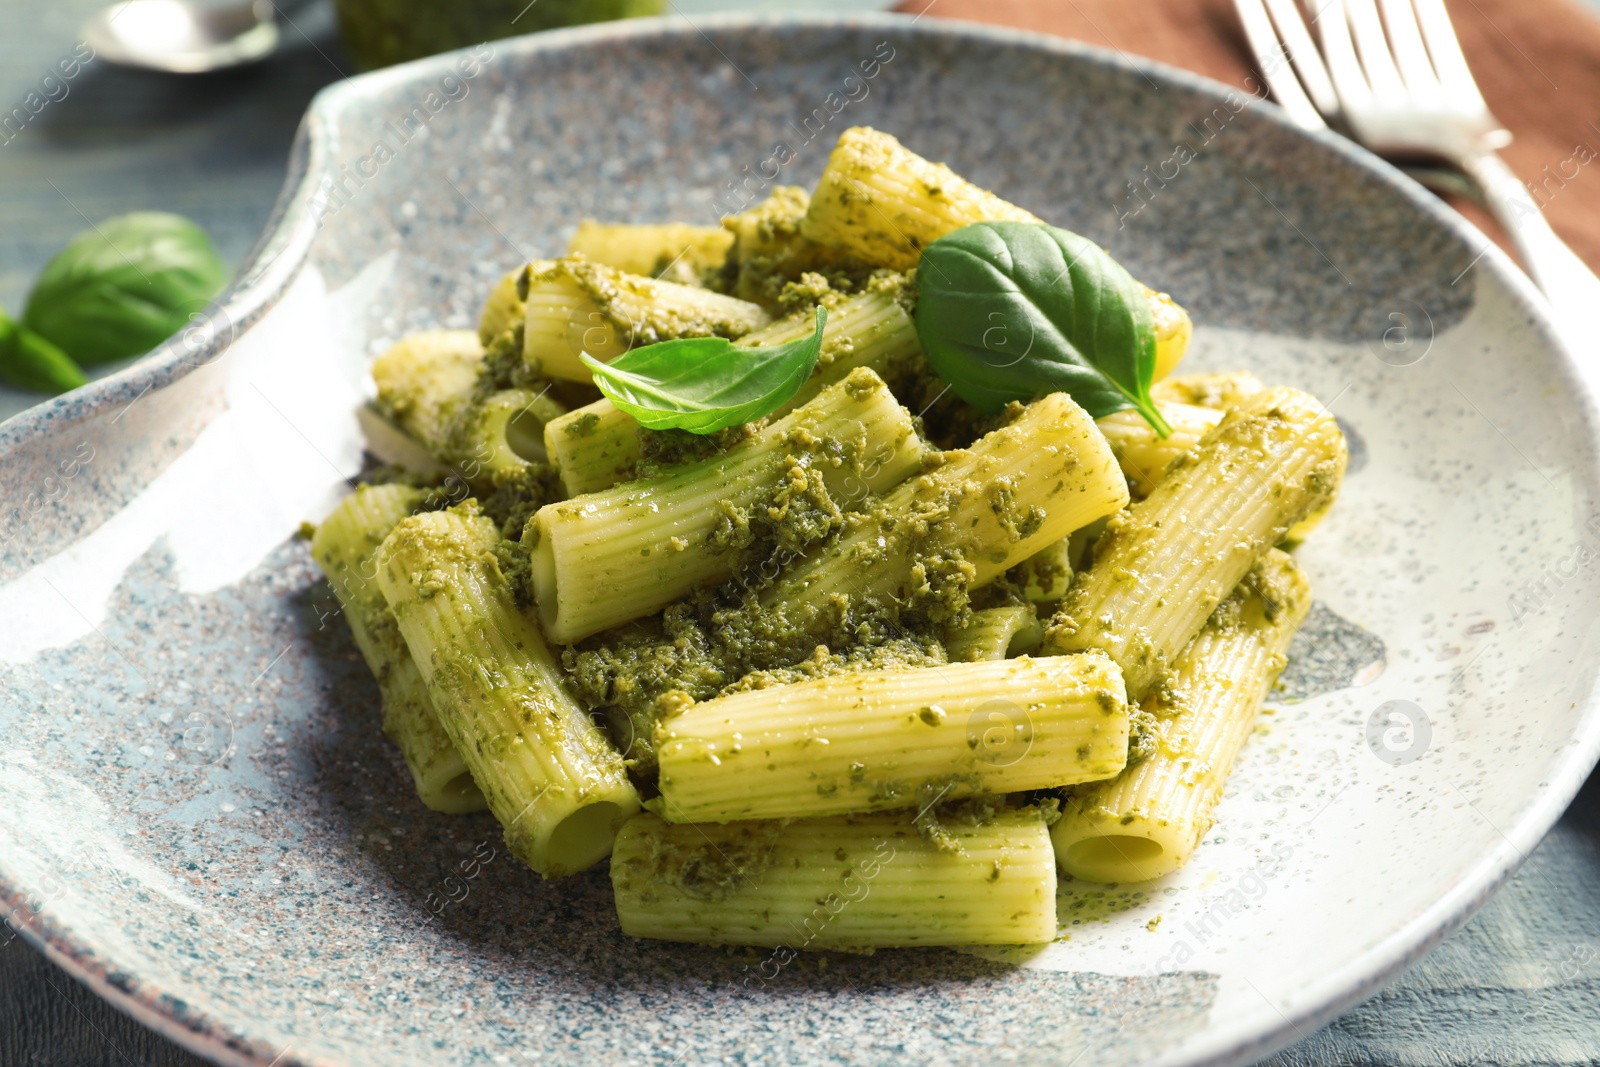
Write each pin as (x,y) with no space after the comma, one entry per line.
(343,547)
(604,558)
(1161,568)
(593,447)
(1192,404)
(1173,329)
(878,740)
(390,444)
(550,776)
(1145,455)
(995,633)
(673,250)
(1220,389)
(425,380)
(769,250)
(576,306)
(1147,821)
(502,311)
(596,446)
(868,329)
(882,203)
(845,882)
(1046,575)
(560,320)
(985,509)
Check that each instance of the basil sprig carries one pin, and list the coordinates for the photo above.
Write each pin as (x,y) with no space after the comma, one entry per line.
(121,288)
(1015,310)
(706,384)
(29,361)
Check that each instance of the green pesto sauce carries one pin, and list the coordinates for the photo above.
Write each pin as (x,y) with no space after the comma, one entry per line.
(512,498)
(796,515)
(631,306)
(724,639)
(944,418)
(662,450)
(1144,735)
(583,425)
(938,823)
(770,260)
(1019,522)
(707,871)
(717,642)
(504,366)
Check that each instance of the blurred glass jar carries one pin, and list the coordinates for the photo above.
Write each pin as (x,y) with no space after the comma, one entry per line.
(377,33)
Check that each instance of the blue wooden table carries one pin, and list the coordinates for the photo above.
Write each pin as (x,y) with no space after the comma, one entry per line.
(1519,985)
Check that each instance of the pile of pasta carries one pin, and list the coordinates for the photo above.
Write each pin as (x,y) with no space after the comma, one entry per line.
(1085,722)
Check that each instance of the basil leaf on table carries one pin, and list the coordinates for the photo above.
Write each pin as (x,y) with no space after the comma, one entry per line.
(1015,310)
(121,288)
(29,361)
(706,384)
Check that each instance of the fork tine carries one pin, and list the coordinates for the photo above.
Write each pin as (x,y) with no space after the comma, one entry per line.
(1373,46)
(1303,54)
(1410,55)
(1271,55)
(1445,48)
(1340,52)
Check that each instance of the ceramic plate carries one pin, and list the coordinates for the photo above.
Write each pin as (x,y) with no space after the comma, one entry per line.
(202,821)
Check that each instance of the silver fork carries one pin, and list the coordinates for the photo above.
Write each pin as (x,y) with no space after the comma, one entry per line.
(1399,85)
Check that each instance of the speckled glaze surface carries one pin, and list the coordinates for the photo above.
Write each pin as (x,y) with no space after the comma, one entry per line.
(202,821)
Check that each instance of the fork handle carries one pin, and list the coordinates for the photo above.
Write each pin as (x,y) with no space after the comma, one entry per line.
(1571,287)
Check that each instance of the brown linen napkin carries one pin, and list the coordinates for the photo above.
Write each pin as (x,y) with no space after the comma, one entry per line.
(1537,62)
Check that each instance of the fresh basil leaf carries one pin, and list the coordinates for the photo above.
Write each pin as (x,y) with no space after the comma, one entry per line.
(1015,310)
(706,384)
(121,288)
(28,360)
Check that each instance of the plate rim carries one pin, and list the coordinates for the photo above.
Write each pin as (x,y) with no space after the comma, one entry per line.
(283,249)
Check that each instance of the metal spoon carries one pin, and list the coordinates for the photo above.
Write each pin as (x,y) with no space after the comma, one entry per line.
(182,36)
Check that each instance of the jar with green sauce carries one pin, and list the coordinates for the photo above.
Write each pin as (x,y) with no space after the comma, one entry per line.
(377,33)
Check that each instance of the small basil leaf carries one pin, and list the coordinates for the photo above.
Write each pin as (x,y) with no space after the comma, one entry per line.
(706,384)
(1015,310)
(29,361)
(121,288)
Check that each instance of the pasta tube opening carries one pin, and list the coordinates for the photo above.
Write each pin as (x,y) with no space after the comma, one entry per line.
(1117,858)
(503,434)
(585,837)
